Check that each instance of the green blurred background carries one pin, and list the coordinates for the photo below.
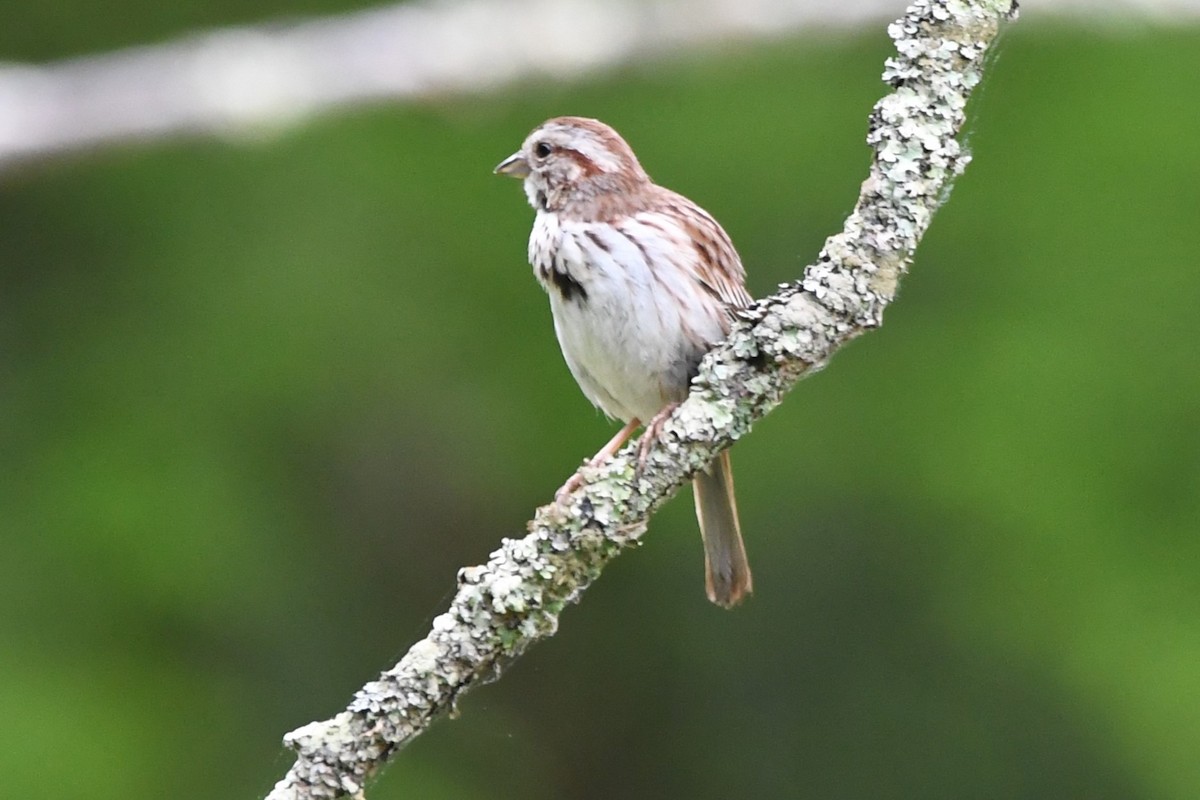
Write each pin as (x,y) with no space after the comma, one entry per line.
(258,402)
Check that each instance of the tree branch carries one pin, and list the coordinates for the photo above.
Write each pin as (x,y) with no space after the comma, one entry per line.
(515,598)
(251,80)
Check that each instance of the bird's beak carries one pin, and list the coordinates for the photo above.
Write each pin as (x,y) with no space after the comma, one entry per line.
(515,166)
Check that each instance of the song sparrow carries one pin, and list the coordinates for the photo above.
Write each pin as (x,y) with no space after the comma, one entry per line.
(642,283)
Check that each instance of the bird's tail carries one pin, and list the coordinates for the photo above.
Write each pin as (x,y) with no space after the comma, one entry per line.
(727,572)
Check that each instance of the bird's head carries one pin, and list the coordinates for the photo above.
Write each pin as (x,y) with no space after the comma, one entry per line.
(568,161)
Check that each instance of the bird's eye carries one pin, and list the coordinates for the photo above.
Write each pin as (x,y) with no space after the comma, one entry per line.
(541,149)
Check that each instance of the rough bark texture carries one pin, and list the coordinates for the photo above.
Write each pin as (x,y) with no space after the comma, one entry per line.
(515,599)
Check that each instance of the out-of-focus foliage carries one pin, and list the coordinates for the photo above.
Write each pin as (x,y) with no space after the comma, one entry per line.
(258,402)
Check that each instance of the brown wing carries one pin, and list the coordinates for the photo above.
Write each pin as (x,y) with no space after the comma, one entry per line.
(719,269)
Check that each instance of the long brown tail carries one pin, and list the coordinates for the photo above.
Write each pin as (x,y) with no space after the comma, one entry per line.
(727,573)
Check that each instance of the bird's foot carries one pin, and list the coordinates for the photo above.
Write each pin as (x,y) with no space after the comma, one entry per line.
(653,430)
(606,452)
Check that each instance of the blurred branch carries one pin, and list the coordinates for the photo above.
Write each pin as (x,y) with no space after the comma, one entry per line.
(255,80)
(515,599)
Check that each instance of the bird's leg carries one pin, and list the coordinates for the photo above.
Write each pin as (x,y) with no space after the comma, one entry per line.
(608,451)
(614,444)
(653,429)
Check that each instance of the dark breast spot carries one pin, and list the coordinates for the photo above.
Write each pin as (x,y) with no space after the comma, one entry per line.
(568,287)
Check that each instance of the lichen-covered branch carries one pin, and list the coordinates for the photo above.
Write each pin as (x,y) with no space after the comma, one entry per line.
(515,599)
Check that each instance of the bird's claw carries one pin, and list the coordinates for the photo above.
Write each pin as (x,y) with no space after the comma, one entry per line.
(571,485)
(651,434)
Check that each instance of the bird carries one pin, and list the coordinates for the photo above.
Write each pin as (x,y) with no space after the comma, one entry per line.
(642,283)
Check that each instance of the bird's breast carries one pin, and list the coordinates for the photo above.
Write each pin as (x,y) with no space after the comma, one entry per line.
(628,341)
